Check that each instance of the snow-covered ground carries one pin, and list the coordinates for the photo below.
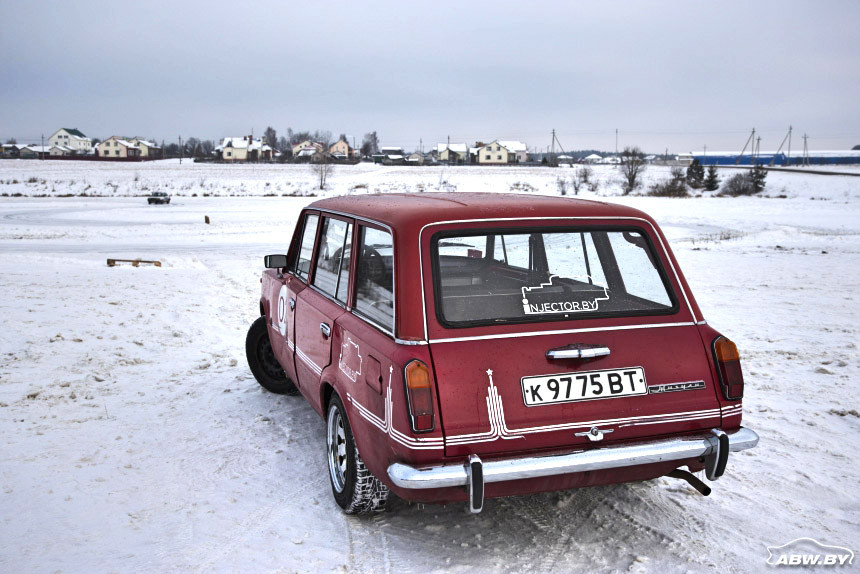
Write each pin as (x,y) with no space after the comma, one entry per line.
(134,438)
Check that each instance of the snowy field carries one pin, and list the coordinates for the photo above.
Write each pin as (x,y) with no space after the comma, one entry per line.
(135,439)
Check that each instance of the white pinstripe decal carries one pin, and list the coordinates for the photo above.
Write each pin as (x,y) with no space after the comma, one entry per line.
(386,425)
(499,428)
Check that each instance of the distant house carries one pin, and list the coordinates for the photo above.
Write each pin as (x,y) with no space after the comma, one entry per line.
(11,150)
(42,151)
(244,148)
(593,158)
(455,154)
(416,158)
(73,139)
(501,152)
(147,148)
(118,147)
(28,152)
(307,144)
(391,156)
(341,150)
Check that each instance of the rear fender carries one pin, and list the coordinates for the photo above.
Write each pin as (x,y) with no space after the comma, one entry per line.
(381,427)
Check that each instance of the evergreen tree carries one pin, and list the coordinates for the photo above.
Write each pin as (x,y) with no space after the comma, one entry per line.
(695,174)
(712,182)
(757,176)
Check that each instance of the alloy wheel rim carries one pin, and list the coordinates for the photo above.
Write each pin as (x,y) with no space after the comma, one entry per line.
(336,449)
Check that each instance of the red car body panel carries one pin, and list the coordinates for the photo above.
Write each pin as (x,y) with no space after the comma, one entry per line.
(477,392)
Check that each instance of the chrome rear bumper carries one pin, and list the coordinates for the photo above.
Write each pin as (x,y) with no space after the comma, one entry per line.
(601,458)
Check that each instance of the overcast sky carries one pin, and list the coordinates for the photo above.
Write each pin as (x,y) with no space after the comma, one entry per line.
(666,74)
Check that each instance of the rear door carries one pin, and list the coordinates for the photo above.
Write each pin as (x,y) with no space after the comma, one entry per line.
(549,333)
(319,306)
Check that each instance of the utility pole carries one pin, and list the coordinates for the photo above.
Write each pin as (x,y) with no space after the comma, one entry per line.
(616,142)
(805,151)
(180,150)
(750,139)
(757,149)
(43,146)
(552,153)
(786,138)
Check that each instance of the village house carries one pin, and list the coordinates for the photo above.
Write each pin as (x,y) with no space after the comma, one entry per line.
(117,147)
(41,151)
(501,152)
(391,155)
(147,148)
(454,154)
(307,144)
(415,158)
(341,150)
(244,148)
(73,139)
(11,150)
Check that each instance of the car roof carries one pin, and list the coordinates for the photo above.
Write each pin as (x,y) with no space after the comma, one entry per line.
(399,210)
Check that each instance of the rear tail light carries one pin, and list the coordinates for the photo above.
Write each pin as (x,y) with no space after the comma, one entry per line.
(420,396)
(729,368)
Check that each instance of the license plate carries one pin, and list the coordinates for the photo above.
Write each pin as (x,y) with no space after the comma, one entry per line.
(584,386)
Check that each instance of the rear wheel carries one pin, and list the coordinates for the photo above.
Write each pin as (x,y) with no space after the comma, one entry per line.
(263,363)
(355,489)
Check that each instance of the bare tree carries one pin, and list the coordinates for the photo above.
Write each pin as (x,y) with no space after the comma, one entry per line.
(11,141)
(322,166)
(192,146)
(286,148)
(369,144)
(632,165)
(271,136)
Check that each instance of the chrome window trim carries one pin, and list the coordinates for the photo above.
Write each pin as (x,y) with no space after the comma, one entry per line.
(517,219)
(560,332)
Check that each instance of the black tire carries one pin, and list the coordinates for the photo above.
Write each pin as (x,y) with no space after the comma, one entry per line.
(263,363)
(354,487)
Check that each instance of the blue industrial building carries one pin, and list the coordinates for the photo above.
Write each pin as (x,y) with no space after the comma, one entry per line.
(765,158)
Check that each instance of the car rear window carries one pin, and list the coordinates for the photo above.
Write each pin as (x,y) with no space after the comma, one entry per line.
(547,275)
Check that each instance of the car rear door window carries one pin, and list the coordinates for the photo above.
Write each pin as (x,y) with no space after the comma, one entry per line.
(374,277)
(303,262)
(331,275)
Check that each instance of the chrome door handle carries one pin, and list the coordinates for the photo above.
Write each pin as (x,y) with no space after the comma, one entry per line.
(578,351)
(292,303)
(325,330)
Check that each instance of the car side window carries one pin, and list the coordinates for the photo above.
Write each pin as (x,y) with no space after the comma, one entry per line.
(374,277)
(303,262)
(332,268)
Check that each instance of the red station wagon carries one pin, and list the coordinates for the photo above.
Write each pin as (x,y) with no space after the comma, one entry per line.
(462,346)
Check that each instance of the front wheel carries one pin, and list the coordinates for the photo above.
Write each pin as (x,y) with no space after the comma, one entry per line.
(355,489)
(263,363)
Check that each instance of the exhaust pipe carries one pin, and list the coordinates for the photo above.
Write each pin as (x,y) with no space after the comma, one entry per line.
(692,479)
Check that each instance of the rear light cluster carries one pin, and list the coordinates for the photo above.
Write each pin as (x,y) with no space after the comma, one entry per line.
(729,368)
(419,395)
